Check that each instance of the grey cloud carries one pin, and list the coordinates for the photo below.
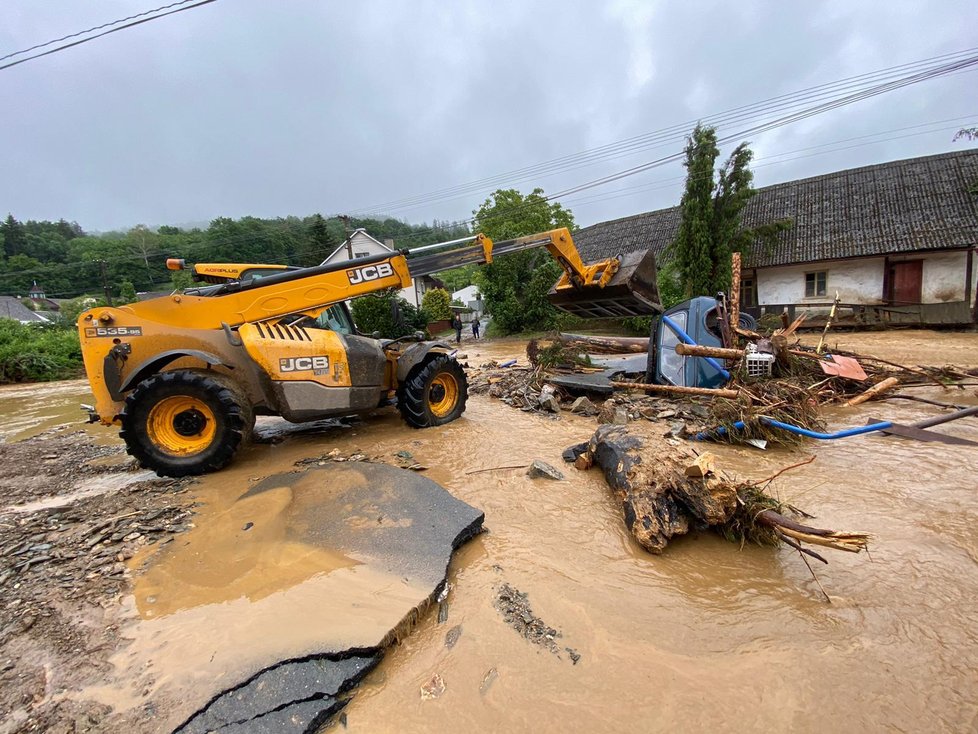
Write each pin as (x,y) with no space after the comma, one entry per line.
(249,107)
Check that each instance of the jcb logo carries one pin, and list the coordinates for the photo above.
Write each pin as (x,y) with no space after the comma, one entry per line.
(369,272)
(304,364)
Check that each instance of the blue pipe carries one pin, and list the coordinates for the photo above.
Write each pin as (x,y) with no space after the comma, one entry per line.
(687,339)
(844,433)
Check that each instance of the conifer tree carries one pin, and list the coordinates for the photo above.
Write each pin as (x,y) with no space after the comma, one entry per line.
(710,220)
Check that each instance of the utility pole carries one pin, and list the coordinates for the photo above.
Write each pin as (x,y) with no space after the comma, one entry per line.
(349,236)
(105,282)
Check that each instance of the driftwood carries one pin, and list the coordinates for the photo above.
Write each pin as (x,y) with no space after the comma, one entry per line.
(788,331)
(678,389)
(734,292)
(605,344)
(665,490)
(877,389)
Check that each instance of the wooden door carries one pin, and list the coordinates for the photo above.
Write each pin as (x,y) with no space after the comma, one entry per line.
(906,279)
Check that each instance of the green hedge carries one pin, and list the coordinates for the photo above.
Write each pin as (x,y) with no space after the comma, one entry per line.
(38,352)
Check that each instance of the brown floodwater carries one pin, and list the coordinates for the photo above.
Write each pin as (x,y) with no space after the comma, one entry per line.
(706,636)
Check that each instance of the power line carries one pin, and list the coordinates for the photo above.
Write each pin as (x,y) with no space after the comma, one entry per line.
(103,33)
(247,238)
(662,184)
(93,29)
(889,85)
(670,134)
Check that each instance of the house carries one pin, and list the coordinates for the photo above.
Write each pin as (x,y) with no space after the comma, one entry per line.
(12,308)
(361,244)
(896,241)
(470,297)
(46,307)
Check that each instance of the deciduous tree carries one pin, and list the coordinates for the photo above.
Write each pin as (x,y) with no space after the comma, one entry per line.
(515,286)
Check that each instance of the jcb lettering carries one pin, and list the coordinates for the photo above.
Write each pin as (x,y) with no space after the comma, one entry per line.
(303,364)
(370,272)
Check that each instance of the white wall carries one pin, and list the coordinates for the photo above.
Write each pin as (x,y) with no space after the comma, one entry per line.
(361,242)
(943,276)
(861,280)
(857,281)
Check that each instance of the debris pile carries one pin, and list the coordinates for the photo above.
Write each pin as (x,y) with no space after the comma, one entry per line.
(666,490)
(765,389)
(514,605)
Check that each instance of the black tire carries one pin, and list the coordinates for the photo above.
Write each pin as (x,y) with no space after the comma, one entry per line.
(746,322)
(184,422)
(425,399)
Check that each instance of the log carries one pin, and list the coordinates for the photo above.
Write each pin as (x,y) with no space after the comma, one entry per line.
(605,344)
(695,350)
(666,490)
(712,392)
(877,389)
(734,291)
(658,500)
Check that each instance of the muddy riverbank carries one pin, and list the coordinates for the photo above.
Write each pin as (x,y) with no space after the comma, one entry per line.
(706,636)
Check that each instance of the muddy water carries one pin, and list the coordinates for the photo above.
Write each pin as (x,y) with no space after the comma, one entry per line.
(706,636)
(27,410)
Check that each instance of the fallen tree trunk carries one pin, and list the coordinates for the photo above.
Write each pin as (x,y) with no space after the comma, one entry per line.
(877,389)
(665,490)
(605,344)
(695,350)
(714,392)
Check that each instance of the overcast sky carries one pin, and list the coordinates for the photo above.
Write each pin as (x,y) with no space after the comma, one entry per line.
(251,107)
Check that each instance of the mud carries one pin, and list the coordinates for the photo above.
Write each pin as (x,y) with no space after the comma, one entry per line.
(707,636)
(73,513)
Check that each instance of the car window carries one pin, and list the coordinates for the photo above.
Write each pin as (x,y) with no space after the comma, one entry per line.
(671,365)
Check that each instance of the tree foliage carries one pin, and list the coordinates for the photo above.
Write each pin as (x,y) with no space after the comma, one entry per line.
(127,293)
(436,304)
(710,221)
(388,314)
(515,286)
(63,258)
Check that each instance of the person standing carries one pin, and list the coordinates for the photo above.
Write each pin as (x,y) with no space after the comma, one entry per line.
(457,325)
(475,327)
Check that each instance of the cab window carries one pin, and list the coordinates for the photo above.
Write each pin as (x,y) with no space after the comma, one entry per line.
(335,318)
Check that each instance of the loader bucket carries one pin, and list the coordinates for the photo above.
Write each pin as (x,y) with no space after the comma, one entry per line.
(632,291)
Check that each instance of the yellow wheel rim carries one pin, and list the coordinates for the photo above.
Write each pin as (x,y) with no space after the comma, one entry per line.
(181,425)
(443,394)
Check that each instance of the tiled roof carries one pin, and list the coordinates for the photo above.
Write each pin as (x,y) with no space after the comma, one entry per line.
(12,308)
(901,206)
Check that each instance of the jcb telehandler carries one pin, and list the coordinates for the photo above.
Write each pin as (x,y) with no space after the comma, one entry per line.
(185,375)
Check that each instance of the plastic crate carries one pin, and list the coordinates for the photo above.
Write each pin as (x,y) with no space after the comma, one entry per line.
(758,365)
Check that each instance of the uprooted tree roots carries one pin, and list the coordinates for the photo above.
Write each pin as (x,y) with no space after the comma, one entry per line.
(666,490)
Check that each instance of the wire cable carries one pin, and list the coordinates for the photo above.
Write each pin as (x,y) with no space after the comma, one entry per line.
(103,33)
(93,29)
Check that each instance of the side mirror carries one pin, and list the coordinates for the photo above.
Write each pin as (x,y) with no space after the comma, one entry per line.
(419,336)
(375,335)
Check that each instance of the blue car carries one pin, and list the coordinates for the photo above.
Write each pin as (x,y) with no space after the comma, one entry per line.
(698,319)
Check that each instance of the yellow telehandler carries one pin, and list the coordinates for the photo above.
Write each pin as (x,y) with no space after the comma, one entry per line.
(185,375)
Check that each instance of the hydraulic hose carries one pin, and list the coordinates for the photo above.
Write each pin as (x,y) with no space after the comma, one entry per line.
(844,433)
(687,339)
